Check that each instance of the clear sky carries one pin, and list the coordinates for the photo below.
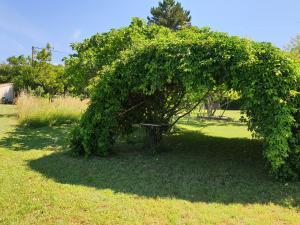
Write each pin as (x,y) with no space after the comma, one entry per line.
(24,23)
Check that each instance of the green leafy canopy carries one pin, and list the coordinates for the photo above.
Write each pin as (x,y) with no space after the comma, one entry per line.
(161,74)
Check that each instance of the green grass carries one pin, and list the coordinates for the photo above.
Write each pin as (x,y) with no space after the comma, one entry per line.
(211,175)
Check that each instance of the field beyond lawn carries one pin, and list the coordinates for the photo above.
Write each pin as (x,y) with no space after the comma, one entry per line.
(213,173)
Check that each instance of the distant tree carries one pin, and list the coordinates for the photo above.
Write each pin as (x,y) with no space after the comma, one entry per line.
(48,77)
(4,73)
(170,14)
(36,75)
(43,55)
(294,44)
(293,47)
(20,60)
(18,71)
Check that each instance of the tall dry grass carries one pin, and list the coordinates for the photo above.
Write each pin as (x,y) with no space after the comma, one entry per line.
(39,112)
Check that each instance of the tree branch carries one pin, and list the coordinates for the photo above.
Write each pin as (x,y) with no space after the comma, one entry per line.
(131,108)
(198,103)
(173,109)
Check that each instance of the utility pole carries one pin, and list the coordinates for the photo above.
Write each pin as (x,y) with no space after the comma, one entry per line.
(32,53)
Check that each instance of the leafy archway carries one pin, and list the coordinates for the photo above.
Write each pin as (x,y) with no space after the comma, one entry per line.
(161,74)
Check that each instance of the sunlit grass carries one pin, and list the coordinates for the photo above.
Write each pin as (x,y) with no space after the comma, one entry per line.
(38,112)
(202,179)
(217,128)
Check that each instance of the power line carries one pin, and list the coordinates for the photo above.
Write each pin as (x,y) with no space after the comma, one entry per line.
(52,50)
(61,52)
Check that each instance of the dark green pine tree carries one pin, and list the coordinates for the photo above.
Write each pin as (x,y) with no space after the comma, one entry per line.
(170,14)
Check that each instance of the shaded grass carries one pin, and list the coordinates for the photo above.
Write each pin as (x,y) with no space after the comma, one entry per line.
(39,112)
(25,138)
(200,171)
(203,179)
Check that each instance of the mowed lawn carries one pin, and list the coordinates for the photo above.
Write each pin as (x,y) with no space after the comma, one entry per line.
(212,173)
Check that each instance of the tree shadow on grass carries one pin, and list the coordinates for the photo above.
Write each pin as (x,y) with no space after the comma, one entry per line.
(198,168)
(24,138)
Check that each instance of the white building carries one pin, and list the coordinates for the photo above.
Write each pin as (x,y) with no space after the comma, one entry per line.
(6,93)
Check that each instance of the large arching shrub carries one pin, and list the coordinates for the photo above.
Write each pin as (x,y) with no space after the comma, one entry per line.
(161,74)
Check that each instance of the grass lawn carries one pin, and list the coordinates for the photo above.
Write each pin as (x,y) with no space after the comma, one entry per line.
(213,174)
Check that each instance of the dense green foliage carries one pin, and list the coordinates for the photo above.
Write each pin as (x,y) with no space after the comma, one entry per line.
(170,14)
(294,158)
(101,50)
(35,75)
(18,71)
(158,73)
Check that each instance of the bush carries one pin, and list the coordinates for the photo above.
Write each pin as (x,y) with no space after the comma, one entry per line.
(162,74)
(39,112)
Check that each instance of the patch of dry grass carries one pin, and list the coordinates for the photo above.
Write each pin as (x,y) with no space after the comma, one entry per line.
(39,112)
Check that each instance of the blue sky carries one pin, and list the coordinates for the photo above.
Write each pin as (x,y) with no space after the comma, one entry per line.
(60,22)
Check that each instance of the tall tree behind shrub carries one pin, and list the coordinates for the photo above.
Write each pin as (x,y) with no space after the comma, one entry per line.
(170,14)
(294,44)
